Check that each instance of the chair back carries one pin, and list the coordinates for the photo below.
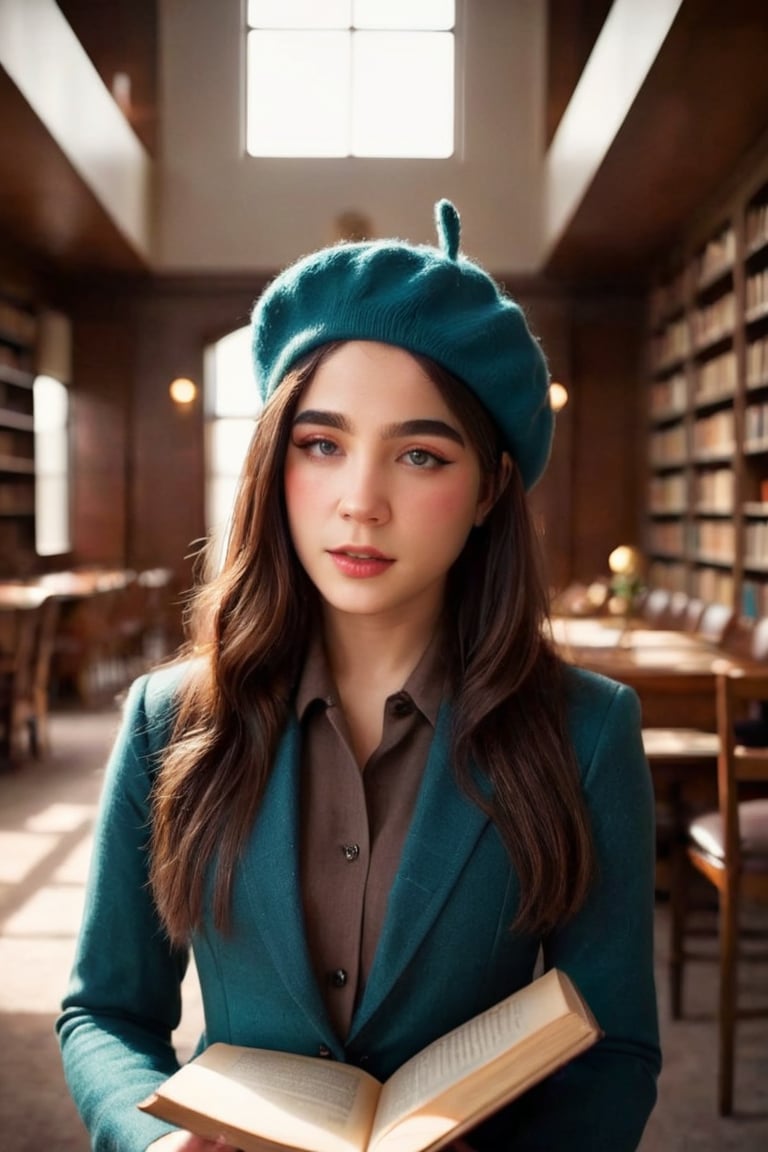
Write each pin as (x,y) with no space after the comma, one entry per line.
(26,668)
(716,621)
(676,611)
(655,606)
(693,614)
(740,765)
(759,646)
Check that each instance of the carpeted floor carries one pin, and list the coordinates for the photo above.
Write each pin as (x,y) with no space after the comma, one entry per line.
(46,812)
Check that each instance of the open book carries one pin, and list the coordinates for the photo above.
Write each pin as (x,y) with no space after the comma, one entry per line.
(264,1101)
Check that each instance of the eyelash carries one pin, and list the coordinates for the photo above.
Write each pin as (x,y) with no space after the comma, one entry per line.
(434,461)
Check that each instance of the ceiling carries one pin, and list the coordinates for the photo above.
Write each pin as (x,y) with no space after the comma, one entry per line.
(703,106)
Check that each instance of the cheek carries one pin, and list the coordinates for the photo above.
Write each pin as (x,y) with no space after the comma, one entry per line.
(451,506)
(301,490)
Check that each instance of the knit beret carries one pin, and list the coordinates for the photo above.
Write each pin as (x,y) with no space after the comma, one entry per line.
(428,300)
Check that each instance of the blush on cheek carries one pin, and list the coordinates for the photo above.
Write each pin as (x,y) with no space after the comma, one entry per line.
(299,487)
(446,505)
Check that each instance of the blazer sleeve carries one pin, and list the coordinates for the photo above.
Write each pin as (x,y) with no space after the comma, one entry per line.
(124,996)
(601,1101)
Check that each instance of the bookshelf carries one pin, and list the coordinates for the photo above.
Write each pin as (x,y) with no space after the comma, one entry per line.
(706,524)
(17,439)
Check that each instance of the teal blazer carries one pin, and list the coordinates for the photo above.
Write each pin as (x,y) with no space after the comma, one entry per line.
(445,952)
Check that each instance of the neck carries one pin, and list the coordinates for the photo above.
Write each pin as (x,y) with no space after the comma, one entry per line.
(370,651)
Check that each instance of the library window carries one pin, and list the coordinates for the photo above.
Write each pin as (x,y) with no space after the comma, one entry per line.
(51,423)
(350,78)
(232,404)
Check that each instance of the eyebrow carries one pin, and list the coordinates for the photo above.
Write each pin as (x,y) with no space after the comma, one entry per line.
(389,431)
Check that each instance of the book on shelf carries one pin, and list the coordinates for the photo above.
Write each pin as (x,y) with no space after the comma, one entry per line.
(261,1100)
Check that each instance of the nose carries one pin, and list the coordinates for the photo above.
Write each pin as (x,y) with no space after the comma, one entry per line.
(364,498)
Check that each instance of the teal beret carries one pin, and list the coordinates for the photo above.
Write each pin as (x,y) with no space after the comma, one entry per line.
(428,300)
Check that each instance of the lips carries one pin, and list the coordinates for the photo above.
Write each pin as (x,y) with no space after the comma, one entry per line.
(360,563)
(358,553)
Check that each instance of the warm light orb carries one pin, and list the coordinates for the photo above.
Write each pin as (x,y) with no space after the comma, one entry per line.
(558,396)
(624,560)
(182,390)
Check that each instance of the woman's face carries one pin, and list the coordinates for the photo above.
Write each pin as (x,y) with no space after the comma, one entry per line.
(382,485)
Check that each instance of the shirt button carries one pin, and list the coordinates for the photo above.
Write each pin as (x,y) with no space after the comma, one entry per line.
(401,704)
(338,978)
(324,1051)
(351,851)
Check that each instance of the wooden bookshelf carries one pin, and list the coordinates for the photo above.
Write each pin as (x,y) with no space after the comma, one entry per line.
(707,497)
(17,438)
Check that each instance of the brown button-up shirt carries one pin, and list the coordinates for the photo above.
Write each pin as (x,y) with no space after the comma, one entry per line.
(353,823)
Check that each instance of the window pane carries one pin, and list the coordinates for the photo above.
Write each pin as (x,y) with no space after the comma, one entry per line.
(403,84)
(298,93)
(51,408)
(232,384)
(436,15)
(300,13)
(227,446)
(51,516)
(51,403)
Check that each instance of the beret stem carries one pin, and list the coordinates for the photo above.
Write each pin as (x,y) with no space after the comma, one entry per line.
(448,225)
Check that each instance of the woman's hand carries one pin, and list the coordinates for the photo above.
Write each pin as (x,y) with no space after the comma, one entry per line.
(185,1142)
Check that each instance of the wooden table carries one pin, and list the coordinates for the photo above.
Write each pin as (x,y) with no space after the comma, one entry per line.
(672,672)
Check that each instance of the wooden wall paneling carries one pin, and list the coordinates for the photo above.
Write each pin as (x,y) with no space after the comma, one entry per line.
(551,499)
(102,368)
(608,437)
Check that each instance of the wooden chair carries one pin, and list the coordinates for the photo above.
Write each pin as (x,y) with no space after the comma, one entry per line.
(729,848)
(674,615)
(25,673)
(655,606)
(693,614)
(716,622)
(683,765)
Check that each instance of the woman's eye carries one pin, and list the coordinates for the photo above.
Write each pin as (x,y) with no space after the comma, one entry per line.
(420,458)
(319,447)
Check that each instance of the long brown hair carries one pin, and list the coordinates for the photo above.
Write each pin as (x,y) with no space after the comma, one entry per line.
(248,627)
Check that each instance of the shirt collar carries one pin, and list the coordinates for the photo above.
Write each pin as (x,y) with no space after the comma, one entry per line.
(425,685)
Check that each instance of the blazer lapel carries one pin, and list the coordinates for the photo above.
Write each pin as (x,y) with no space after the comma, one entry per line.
(444,829)
(272,881)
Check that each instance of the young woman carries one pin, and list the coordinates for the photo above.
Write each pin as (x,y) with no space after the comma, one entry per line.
(371,796)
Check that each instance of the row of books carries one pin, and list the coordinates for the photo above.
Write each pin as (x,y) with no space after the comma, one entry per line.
(757,290)
(17,499)
(718,254)
(668,574)
(754,599)
(669,446)
(714,539)
(711,321)
(756,542)
(715,489)
(671,345)
(757,225)
(13,443)
(14,357)
(757,362)
(667,537)
(716,377)
(16,323)
(712,584)
(14,399)
(669,395)
(668,493)
(755,424)
(667,298)
(714,433)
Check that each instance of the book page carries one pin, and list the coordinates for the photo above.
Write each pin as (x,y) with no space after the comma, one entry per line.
(299,1101)
(467,1048)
